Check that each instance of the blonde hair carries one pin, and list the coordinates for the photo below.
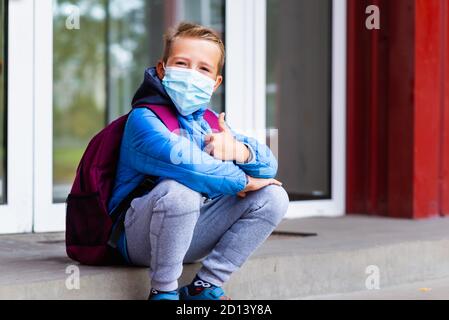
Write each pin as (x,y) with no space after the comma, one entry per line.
(192,30)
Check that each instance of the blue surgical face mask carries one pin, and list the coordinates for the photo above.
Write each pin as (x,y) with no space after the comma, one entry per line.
(189,89)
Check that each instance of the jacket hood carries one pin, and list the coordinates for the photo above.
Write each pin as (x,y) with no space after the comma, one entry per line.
(151,91)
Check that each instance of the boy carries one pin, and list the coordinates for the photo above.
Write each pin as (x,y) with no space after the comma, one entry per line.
(220,208)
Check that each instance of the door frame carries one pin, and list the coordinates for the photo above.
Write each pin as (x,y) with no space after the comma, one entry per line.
(30,204)
(245,94)
(17,213)
(48,216)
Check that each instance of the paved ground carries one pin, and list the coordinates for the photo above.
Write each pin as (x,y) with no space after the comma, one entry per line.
(285,267)
(425,290)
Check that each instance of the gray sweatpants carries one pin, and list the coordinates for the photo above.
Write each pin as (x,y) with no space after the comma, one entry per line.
(174,224)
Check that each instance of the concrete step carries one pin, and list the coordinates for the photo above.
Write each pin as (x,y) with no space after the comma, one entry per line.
(34,266)
(437,289)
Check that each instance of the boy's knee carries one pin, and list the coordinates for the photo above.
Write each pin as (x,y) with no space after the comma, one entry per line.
(276,201)
(176,198)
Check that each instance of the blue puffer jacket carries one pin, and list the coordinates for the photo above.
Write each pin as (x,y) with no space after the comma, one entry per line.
(149,148)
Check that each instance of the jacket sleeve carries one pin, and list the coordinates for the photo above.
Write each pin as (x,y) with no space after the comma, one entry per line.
(157,151)
(262,163)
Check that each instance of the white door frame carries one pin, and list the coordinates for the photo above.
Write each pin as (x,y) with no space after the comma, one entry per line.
(30,204)
(48,216)
(16,216)
(246,66)
(246,91)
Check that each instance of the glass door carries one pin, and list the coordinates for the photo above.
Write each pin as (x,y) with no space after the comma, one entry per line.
(91,57)
(299,94)
(305,101)
(79,68)
(287,61)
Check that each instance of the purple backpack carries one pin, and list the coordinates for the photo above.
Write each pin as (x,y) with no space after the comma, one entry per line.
(91,231)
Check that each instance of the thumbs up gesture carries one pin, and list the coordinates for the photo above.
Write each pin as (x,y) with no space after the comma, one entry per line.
(223,145)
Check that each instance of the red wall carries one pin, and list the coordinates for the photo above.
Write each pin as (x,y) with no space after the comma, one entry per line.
(398,106)
(445,112)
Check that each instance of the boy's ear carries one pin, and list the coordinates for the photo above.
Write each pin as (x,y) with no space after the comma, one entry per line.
(218,82)
(160,70)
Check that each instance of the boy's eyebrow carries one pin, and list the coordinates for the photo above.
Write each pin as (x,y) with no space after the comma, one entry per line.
(180,57)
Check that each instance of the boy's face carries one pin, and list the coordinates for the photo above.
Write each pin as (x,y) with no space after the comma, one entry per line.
(197,54)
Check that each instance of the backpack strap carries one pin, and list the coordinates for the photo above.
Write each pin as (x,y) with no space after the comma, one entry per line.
(212,119)
(166,114)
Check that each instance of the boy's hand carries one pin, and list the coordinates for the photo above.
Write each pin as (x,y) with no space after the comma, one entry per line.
(255,184)
(224,146)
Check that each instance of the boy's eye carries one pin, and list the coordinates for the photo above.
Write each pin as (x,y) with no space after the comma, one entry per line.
(205,69)
(181,63)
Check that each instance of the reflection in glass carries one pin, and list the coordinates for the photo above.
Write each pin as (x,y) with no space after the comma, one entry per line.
(98,67)
(299,93)
(79,97)
(3,28)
